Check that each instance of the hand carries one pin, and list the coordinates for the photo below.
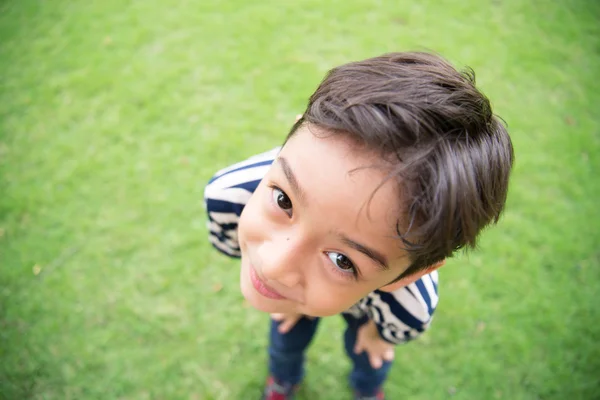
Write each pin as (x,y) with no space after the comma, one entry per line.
(369,340)
(287,321)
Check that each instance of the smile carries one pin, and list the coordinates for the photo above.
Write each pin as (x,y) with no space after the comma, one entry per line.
(262,287)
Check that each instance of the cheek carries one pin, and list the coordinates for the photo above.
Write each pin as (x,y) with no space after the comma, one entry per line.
(326,307)
(328,300)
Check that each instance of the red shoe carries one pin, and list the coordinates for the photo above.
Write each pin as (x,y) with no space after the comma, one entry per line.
(278,391)
(378,396)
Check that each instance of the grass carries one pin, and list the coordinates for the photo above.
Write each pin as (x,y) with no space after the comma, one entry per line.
(114,114)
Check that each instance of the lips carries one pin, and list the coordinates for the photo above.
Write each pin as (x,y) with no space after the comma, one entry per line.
(262,287)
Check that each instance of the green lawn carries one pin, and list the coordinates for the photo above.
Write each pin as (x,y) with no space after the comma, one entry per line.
(113,115)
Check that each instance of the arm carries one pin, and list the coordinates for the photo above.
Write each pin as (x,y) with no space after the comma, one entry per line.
(222,226)
(396,317)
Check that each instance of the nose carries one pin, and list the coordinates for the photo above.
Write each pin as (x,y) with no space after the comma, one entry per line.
(281,261)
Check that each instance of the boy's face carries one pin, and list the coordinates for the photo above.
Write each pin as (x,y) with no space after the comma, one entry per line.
(311,242)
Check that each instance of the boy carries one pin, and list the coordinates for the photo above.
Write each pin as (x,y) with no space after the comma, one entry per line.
(396,163)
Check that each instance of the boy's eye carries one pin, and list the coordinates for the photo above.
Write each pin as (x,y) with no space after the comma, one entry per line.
(341,261)
(282,200)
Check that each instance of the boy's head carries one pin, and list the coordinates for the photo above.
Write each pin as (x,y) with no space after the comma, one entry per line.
(397,162)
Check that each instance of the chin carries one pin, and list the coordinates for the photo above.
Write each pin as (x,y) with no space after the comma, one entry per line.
(261,304)
(264,306)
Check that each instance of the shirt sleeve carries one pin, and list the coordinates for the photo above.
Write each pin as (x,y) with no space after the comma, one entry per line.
(404,314)
(225,196)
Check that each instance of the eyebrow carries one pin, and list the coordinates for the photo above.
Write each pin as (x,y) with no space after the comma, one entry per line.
(374,255)
(289,174)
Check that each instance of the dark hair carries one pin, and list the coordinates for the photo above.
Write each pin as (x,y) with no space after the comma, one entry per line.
(450,155)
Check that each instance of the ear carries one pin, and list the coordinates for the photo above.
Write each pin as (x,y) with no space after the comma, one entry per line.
(407,280)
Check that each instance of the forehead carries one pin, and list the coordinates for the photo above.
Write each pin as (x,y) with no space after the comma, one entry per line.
(342,183)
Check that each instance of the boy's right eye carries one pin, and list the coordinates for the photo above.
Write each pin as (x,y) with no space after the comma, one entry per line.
(282,200)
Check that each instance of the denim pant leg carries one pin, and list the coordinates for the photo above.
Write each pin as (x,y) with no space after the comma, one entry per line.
(286,351)
(363,378)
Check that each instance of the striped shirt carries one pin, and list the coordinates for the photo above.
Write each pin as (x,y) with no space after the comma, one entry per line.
(400,316)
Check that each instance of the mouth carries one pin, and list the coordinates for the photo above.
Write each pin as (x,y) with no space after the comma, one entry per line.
(262,288)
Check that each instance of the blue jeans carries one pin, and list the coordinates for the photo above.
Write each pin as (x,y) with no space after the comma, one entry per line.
(286,355)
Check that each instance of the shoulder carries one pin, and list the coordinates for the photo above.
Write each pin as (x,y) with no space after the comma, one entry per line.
(227,193)
(236,183)
(414,303)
